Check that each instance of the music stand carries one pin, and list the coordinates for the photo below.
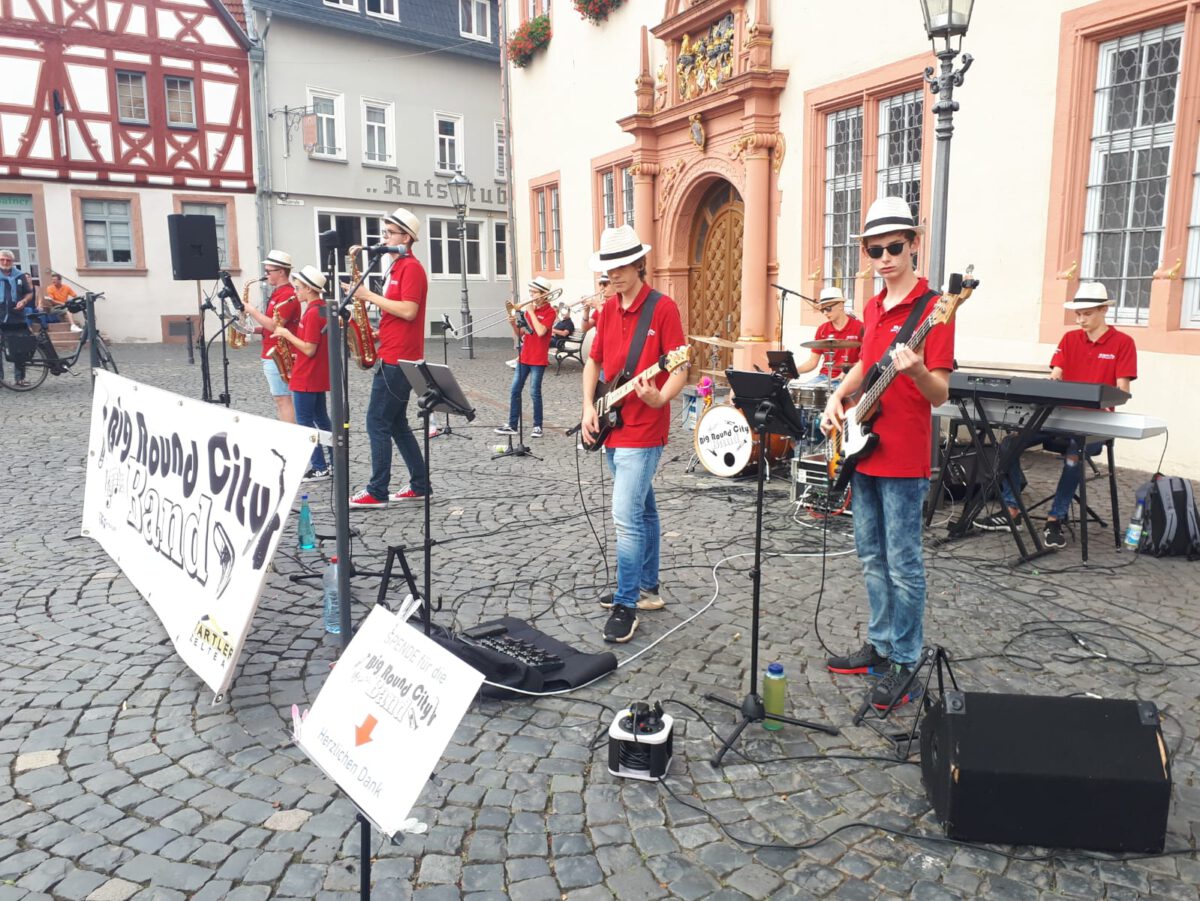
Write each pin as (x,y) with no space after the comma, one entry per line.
(763,397)
(441,393)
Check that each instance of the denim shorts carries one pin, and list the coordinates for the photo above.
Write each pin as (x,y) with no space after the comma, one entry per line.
(275,381)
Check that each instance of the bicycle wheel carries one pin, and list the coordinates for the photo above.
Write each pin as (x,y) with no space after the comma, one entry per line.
(36,370)
(106,358)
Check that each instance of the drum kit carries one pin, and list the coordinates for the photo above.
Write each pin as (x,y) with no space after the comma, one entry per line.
(726,445)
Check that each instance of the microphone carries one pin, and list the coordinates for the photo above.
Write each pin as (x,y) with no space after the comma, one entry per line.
(448,326)
(782,288)
(328,238)
(387,248)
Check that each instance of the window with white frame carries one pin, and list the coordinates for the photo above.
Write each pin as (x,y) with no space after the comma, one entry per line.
(131,97)
(181,102)
(843,197)
(343,4)
(609,194)
(447,154)
(445,249)
(330,125)
(475,19)
(384,9)
(1133,131)
(378,129)
(501,153)
(108,232)
(627,194)
(218,211)
(500,248)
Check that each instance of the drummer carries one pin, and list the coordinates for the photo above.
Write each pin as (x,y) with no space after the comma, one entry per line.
(838,326)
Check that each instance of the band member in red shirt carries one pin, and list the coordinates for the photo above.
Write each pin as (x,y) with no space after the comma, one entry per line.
(533,359)
(634,449)
(889,485)
(310,371)
(839,326)
(1097,353)
(278,270)
(401,337)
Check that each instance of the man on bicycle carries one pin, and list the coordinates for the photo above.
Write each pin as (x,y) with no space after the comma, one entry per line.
(16,297)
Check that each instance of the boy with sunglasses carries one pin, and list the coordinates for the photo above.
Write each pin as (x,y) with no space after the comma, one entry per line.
(889,485)
(838,326)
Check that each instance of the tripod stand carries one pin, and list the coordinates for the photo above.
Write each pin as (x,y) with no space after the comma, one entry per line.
(763,397)
(447,429)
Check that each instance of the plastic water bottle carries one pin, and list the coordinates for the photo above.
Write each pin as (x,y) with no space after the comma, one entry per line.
(333,609)
(774,692)
(306,535)
(1133,534)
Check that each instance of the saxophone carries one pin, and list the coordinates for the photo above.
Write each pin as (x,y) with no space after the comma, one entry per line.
(282,352)
(359,335)
(239,329)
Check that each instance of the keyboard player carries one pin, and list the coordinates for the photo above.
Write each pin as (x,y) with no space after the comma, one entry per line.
(1097,353)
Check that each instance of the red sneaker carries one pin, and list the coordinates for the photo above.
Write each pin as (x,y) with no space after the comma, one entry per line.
(365,499)
(407,495)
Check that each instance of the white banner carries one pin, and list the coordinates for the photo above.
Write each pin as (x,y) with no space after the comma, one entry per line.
(385,715)
(190,499)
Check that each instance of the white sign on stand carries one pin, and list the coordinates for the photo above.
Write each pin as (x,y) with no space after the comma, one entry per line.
(385,715)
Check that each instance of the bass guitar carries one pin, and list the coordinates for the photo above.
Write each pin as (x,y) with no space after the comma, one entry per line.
(610,395)
(854,440)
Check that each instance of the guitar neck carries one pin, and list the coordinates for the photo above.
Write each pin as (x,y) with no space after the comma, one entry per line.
(614,397)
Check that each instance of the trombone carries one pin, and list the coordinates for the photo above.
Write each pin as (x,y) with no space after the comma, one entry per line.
(510,311)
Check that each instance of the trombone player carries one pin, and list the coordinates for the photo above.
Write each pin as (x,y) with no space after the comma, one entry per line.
(283,301)
(534,356)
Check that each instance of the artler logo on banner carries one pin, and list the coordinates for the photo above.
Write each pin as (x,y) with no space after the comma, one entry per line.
(190,500)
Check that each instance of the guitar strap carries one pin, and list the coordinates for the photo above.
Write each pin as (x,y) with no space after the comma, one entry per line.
(902,336)
(638,341)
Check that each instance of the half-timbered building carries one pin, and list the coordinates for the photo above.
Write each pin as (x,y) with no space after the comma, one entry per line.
(113,115)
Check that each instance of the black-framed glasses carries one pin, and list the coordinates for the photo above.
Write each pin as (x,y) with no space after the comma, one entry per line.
(894,249)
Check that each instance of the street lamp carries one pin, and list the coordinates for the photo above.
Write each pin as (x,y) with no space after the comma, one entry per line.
(945,21)
(460,196)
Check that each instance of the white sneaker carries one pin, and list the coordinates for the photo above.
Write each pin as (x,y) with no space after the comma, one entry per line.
(75,328)
(511,364)
(537,431)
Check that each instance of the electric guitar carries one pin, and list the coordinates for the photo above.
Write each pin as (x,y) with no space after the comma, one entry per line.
(855,439)
(610,395)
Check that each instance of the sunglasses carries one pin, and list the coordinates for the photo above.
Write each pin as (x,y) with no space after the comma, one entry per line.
(894,249)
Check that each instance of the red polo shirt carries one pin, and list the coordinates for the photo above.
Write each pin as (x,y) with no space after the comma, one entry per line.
(904,422)
(404,339)
(283,299)
(642,426)
(312,373)
(535,351)
(852,331)
(1110,357)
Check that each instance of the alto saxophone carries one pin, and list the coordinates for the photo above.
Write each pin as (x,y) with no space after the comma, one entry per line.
(360,334)
(239,329)
(282,353)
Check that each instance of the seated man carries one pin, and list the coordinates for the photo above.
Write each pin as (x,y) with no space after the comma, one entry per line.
(1097,353)
(57,295)
(564,327)
(838,326)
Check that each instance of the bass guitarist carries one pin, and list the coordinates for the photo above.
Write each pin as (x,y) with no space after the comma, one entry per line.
(889,485)
(634,449)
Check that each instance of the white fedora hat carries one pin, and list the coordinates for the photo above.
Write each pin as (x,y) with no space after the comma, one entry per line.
(618,247)
(311,276)
(538,284)
(830,296)
(1089,295)
(279,258)
(406,220)
(887,215)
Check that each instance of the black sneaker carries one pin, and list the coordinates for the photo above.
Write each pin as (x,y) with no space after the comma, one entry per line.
(622,623)
(996,522)
(648,599)
(894,689)
(1053,536)
(316,475)
(866,661)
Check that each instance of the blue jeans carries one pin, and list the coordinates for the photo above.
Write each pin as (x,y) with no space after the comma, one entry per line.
(534,374)
(1068,482)
(387,421)
(312,412)
(636,518)
(887,533)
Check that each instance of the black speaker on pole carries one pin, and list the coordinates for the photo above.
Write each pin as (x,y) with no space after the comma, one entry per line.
(1054,772)
(193,247)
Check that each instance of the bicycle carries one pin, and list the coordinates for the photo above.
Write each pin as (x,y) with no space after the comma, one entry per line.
(41,359)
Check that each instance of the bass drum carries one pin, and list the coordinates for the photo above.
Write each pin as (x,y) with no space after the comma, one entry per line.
(726,446)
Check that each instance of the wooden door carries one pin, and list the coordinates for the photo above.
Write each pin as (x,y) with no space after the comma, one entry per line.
(715,299)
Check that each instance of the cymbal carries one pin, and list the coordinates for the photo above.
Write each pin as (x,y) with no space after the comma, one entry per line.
(717,342)
(830,344)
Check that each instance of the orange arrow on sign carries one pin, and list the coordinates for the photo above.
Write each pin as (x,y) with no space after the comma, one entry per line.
(362,734)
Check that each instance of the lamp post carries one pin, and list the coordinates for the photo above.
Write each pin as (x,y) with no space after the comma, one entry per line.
(460,195)
(945,21)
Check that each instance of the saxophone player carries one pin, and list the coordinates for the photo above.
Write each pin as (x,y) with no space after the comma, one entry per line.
(401,337)
(310,373)
(278,271)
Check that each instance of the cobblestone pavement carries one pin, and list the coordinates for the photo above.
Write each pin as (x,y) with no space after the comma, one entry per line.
(120,778)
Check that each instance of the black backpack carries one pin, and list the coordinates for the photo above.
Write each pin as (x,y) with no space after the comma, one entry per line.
(1170,524)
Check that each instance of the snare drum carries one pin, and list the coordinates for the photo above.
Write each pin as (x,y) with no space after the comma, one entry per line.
(814,397)
(726,446)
